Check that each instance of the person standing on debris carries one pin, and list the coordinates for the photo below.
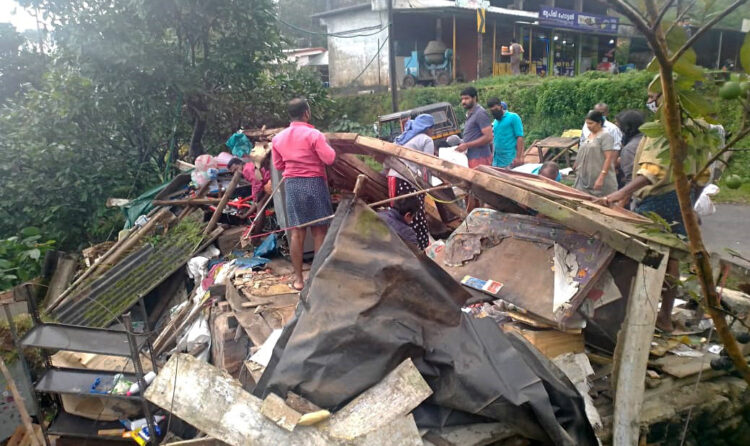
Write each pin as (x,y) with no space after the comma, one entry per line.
(400,218)
(594,164)
(477,136)
(416,136)
(610,127)
(654,192)
(302,153)
(516,52)
(507,134)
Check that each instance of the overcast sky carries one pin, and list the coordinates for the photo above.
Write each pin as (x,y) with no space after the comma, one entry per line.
(11,12)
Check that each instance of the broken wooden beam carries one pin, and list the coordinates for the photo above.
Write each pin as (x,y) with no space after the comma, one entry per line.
(223,203)
(489,188)
(215,403)
(631,353)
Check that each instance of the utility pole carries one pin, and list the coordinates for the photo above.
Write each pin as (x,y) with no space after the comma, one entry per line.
(392,60)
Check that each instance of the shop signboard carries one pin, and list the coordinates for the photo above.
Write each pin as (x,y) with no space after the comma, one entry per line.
(474,4)
(579,21)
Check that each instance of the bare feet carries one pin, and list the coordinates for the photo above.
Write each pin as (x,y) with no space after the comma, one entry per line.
(298,285)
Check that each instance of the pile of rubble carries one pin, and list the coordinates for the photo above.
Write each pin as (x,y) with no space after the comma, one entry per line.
(504,330)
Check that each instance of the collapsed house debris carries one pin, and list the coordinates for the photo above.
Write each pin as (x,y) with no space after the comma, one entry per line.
(511,326)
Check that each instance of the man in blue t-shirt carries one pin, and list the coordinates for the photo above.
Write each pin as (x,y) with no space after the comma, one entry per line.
(507,131)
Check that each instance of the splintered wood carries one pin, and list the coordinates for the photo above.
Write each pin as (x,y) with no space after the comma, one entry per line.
(215,403)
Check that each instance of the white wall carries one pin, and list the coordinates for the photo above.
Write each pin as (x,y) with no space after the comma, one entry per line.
(347,57)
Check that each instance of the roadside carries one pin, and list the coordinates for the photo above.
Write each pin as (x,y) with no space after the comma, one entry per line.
(727,229)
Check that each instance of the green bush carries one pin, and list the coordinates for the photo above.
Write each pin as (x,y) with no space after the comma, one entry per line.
(547,106)
(21,257)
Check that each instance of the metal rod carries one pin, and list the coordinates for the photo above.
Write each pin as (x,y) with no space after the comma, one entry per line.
(454,49)
(135,355)
(147,332)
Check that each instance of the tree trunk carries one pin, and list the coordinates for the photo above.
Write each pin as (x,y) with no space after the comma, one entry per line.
(199,128)
(672,125)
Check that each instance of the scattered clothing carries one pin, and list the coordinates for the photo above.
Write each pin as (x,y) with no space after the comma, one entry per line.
(590,162)
(301,150)
(396,222)
(611,128)
(506,132)
(239,144)
(419,223)
(307,199)
(476,120)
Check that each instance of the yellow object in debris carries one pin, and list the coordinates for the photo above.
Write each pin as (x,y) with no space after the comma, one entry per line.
(572,133)
(311,418)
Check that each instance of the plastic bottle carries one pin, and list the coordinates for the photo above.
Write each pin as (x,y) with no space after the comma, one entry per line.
(141,422)
(135,388)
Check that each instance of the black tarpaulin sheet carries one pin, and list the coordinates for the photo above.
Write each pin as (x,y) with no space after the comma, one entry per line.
(372,302)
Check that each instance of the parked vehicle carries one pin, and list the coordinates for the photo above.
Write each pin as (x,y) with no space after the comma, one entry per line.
(391,125)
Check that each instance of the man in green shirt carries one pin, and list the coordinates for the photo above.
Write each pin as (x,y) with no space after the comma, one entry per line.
(507,134)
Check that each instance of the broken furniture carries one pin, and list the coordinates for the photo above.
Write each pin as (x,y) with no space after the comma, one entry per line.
(551,148)
(86,382)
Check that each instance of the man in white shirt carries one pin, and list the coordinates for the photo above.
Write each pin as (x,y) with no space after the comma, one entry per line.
(610,127)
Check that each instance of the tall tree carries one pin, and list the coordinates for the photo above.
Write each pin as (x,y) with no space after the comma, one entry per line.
(199,50)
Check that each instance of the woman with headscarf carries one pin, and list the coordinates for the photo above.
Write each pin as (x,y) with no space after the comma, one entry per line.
(416,136)
(594,164)
(629,122)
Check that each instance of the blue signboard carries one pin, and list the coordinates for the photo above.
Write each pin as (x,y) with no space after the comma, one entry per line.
(579,21)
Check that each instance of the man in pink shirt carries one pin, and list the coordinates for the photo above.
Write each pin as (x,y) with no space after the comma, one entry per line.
(302,153)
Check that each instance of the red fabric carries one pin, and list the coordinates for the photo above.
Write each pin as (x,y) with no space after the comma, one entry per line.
(392,188)
(476,162)
(301,150)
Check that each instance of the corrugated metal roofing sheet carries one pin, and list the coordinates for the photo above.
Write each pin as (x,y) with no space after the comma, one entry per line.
(114,292)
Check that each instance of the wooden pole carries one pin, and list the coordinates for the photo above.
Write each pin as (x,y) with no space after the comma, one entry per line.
(223,203)
(361,180)
(631,353)
(494,45)
(18,399)
(454,48)
(243,240)
(392,59)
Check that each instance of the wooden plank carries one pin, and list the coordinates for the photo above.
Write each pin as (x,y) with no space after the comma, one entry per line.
(222,204)
(275,409)
(215,403)
(681,367)
(253,324)
(631,356)
(394,397)
(20,405)
(490,189)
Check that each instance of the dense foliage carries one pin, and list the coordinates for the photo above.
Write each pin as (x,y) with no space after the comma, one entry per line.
(120,86)
(21,256)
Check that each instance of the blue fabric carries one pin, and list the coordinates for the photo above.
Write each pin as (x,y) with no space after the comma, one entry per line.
(414,127)
(267,248)
(239,144)
(251,262)
(307,199)
(504,105)
(506,132)
(539,168)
